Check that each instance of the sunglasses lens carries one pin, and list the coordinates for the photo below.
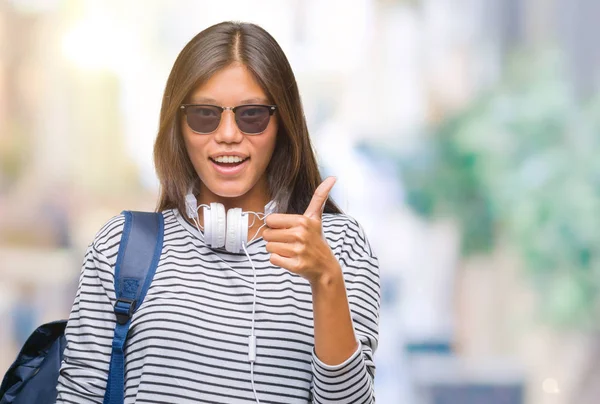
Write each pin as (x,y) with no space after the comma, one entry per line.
(252,119)
(203,118)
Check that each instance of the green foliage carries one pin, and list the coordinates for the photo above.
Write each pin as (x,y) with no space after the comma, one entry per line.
(522,164)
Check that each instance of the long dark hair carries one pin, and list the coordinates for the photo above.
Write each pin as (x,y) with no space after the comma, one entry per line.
(293,174)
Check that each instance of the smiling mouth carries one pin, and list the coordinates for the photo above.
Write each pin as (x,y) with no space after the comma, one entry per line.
(228,164)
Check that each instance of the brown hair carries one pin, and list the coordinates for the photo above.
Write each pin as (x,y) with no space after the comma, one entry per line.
(292,173)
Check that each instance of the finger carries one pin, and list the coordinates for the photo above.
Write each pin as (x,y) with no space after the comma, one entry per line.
(317,203)
(291,264)
(282,249)
(283,220)
(280,235)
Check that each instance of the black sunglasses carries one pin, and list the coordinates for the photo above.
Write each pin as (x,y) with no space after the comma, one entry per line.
(251,119)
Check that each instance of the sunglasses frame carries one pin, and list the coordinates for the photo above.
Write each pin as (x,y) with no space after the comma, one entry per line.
(272,109)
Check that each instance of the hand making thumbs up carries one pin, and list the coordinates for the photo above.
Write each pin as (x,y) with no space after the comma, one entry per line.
(297,243)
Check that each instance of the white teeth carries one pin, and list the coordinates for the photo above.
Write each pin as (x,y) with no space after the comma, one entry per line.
(228,159)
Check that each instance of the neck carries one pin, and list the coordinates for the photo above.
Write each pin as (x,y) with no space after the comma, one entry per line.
(252,201)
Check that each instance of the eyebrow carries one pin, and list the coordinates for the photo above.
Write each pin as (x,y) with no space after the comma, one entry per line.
(208,100)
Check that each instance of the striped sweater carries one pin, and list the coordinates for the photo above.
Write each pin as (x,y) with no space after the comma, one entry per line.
(188,341)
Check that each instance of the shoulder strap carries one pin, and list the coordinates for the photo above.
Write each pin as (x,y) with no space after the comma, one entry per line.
(139,252)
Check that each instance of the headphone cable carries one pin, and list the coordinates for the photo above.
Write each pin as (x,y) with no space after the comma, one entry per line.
(252,337)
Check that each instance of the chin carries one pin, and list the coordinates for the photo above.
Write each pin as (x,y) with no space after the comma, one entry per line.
(233,191)
(230,194)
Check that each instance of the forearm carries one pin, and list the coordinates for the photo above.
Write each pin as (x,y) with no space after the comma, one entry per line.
(84,370)
(335,341)
(340,372)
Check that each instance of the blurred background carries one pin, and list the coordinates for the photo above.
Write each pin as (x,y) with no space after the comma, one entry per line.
(464,135)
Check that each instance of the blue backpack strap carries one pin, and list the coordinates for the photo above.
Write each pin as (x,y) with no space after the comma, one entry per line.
(139,252)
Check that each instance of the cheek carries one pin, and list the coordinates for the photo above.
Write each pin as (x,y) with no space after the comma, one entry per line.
(266,149)
(271,140)
(194,143)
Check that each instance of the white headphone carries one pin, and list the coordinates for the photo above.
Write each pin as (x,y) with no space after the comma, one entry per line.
(220,230)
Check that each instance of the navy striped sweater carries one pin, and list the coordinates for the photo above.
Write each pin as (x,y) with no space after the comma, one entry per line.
(188,342)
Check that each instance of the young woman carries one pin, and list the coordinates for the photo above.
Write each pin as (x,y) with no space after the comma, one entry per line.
(305,284)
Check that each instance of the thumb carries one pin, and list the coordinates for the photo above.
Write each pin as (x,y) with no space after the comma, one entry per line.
(317,203)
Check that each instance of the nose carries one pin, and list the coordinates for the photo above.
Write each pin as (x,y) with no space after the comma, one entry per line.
(228,132)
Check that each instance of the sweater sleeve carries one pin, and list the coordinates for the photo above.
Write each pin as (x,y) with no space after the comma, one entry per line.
(89,332)
(352,381)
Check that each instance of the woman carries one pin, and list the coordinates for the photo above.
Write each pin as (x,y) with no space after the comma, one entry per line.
(306,285)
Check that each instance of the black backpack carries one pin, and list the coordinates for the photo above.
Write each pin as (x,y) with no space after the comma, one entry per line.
(33,377)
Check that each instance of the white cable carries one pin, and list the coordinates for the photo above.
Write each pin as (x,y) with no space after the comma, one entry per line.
(256,234)
(196,218)
(260,216)
(252,379)
(197,225)
(254,297)
(252,337)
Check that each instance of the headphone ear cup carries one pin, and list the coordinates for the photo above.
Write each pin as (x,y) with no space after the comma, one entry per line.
(218,224)
(233,242)
(243,229)
(208,230)
(214,225)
